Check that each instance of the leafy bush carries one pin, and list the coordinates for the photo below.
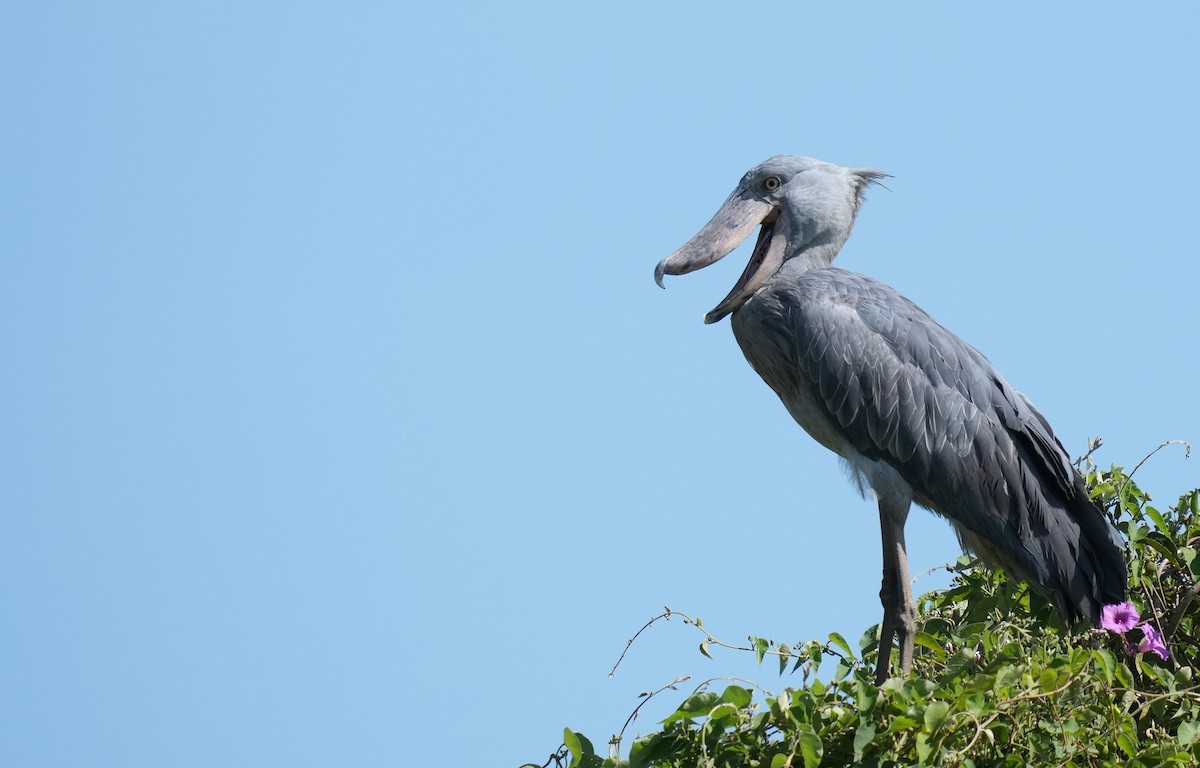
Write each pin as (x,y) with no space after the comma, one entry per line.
(997,680)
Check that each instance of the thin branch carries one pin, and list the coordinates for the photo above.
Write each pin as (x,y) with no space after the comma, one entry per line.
(947,567)
(629,642)
(1193,693)
(826,648)
(1187,452)
(614,744)
(557,757)
(704,685)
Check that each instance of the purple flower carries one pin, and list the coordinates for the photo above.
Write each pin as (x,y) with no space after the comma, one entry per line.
(1119,617)
(1153,642)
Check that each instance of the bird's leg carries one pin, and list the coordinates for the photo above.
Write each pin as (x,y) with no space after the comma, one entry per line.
(899,614)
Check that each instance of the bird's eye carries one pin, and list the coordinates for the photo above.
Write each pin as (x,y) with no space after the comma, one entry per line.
(772,183)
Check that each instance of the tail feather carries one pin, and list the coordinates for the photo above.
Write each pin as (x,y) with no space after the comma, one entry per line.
(1102,575)
(1056,539)
(1082,556)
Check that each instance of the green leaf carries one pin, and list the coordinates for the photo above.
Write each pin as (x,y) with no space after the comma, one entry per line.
(1122,676)
(811,748)
(736,695)
(926,640)
(799,663)
(1108,663)
(1157,519)
(761,646)
(902,723)
(573,745)
(976,704)
(1126,744)
(723,710)
(1007,675)
(862,737)
(924,750)
(1183,677)
(651,750)
(814,651)
(1166,549)
(700,703)
(1188,555)
(1136,532)
(589,752)
(935,713)
(840,642)
(1188,731)
(869,639)
(1135,573)
(785,651)
(980,683)
(1048,680)
(867,696)
(697,705)
(704,648)
(783,702)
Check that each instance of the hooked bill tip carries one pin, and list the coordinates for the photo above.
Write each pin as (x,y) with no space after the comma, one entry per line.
(715,316)
(659,270)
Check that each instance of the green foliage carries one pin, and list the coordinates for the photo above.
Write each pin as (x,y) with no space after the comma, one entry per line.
(997,680)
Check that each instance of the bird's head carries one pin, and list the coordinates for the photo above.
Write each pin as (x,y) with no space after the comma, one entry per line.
(806,208)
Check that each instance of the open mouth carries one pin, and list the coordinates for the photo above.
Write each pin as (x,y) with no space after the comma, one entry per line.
(734,299)
(765,261)
(732,224)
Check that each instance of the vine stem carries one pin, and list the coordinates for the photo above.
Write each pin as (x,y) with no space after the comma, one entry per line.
(826,648)
(1187,453)
(614,744)
(629,642)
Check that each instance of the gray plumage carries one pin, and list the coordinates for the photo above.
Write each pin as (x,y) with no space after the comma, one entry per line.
(916,413)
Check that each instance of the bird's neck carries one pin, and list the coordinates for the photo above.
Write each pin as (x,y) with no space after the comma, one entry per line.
(816,255)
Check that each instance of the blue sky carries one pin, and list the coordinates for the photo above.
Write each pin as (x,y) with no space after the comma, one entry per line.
(344,424)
